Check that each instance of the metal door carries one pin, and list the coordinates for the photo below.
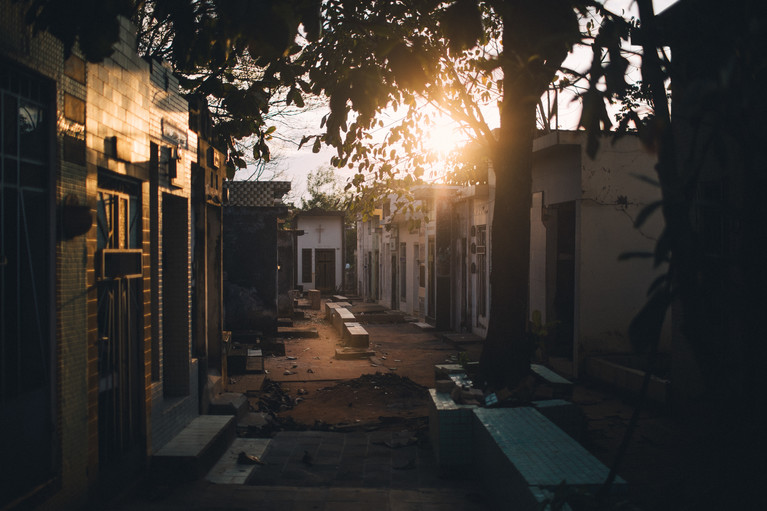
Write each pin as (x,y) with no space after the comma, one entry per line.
(119,324)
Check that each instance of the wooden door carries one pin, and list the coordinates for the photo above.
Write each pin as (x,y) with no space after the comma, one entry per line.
(325,269)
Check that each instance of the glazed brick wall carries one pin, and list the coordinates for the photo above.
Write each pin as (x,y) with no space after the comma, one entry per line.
(44,54)
(132,99)
(127,97)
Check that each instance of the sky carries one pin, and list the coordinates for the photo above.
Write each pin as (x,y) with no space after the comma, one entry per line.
(291,164)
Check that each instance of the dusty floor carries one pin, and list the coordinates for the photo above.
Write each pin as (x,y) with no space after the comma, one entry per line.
(331,391)
(389,390)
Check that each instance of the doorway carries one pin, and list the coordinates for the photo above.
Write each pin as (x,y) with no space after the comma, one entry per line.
(325,270)
(119,322)
(561,277)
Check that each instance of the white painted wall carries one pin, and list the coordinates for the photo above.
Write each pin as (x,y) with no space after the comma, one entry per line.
(611,291)
(608,196)
(324,232)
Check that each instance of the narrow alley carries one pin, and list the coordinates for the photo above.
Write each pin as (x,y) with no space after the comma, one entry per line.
(330,433)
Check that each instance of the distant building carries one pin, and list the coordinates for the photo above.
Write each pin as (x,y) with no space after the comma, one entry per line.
(320,250)
(435,263)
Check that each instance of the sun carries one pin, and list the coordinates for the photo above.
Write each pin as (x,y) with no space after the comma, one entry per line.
(443,136)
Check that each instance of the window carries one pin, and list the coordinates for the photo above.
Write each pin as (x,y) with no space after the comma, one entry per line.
(24,246)
(306,265)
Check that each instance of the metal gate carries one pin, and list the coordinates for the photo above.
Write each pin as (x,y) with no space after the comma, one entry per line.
(119,317)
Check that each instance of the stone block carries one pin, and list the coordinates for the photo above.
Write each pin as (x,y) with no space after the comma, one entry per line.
(315,298)
(340,316)
(355,335)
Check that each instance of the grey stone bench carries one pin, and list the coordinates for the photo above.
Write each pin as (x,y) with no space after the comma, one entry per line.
(520,455)
(331,306)
(355,335)
(561,387)
(340,316)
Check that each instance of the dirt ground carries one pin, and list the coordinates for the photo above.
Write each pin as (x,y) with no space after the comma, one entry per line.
(391,384)
(310,389)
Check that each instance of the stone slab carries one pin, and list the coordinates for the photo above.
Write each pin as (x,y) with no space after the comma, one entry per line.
(246,383)
(190,454)
(340,316)
(355,335)
(459,339)
(315,298)
(567,416)
(254,364)
(543,454)
(367,308)
(229,403)
(627,379)
(331,306)
(297,331)
(382,318)
(561,387)
(349,352)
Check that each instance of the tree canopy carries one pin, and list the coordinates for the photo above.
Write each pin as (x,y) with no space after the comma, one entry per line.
(461,59)
(238,54)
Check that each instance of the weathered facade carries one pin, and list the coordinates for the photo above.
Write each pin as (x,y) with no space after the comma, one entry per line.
(98,369)
(582,220)
(426,263)
(436,264)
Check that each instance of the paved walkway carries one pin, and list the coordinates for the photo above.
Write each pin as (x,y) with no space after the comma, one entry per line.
(314,470)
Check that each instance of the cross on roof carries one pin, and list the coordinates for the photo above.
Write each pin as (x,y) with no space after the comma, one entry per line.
(319,232)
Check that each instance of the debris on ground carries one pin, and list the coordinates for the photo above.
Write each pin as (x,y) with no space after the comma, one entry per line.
(248,459)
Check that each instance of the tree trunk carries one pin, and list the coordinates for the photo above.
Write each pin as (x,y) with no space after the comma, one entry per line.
(506,354)
(530,64)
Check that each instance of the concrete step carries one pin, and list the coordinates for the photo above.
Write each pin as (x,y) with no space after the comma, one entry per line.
(191,453)
(229,403)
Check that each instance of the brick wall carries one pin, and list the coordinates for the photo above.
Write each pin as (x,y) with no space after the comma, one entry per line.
(44,55)
(137,101)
